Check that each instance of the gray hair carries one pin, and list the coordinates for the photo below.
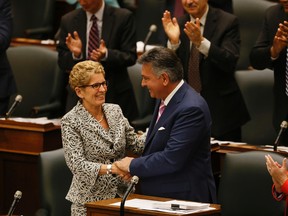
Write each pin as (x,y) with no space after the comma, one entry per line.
(162,60)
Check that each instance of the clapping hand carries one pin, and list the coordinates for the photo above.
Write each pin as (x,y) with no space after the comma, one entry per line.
(171,27)
(74,44)
(277,171)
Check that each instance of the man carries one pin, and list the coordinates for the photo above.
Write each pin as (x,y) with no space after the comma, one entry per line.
(116,50)
(172,6)
(214,36)
(113,3)
(270,51)
(7,82)
(176,161)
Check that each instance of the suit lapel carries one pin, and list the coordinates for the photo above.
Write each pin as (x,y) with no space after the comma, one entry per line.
(171,107)
(210,25)
(107,25)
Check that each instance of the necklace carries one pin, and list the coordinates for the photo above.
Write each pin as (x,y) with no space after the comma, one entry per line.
(102,117)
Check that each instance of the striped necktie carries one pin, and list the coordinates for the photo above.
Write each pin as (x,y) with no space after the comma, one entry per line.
(286,73)
(93,36)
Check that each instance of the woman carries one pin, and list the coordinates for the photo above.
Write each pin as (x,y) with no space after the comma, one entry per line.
(94,135)
(280,179)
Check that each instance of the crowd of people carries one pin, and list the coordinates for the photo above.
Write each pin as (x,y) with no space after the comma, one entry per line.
(192,79)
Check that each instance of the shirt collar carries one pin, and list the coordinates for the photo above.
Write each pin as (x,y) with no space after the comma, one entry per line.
(203,18)
(169,97)
(98,14)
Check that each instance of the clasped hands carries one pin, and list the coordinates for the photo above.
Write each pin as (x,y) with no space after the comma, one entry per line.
(280,41)
(121,168)
(172,29)
(74,44)
(277,171)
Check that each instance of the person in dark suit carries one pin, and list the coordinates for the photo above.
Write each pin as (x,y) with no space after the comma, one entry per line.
(226,5)
(7,82)
(215,34)
(270,51)
(116,52)
(176,161)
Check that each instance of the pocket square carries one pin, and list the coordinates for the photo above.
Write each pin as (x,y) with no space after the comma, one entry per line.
(161,128)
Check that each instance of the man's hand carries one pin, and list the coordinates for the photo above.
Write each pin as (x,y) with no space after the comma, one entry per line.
(100,53)
(124,175)
(124,163)
(280,40)
(171,27)
(193,32)
(74,44)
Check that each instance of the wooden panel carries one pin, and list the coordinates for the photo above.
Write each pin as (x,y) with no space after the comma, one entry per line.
(19,172)
(28,138)
(20,146)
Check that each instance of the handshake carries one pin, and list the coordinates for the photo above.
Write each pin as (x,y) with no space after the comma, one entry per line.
(121,168)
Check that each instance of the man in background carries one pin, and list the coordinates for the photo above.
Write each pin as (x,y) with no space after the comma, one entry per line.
(270,51)
(7,82)
(113,44)
(207,40)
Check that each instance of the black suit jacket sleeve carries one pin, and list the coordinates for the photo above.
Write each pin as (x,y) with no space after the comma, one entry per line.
(260,56)
(119,33)
(7,82)
(5,25)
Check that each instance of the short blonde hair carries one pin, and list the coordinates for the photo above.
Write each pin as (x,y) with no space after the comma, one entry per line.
(82,72)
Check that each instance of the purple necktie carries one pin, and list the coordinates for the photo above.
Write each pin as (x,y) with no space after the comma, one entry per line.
(93,36)
(161,110)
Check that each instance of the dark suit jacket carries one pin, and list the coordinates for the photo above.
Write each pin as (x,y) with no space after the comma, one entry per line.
(219,87)
(176,161)
(260,58)
(7,82)
(119,34)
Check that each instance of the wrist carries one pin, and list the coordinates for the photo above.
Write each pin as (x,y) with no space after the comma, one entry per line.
(109,169)
(273,53)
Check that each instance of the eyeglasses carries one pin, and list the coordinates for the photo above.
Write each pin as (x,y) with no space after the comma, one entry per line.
(96,86)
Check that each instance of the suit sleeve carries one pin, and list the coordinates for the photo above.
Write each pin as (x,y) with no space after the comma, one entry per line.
(184,139)
(224,54)
(122,42)
(260,57)
(6,25)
